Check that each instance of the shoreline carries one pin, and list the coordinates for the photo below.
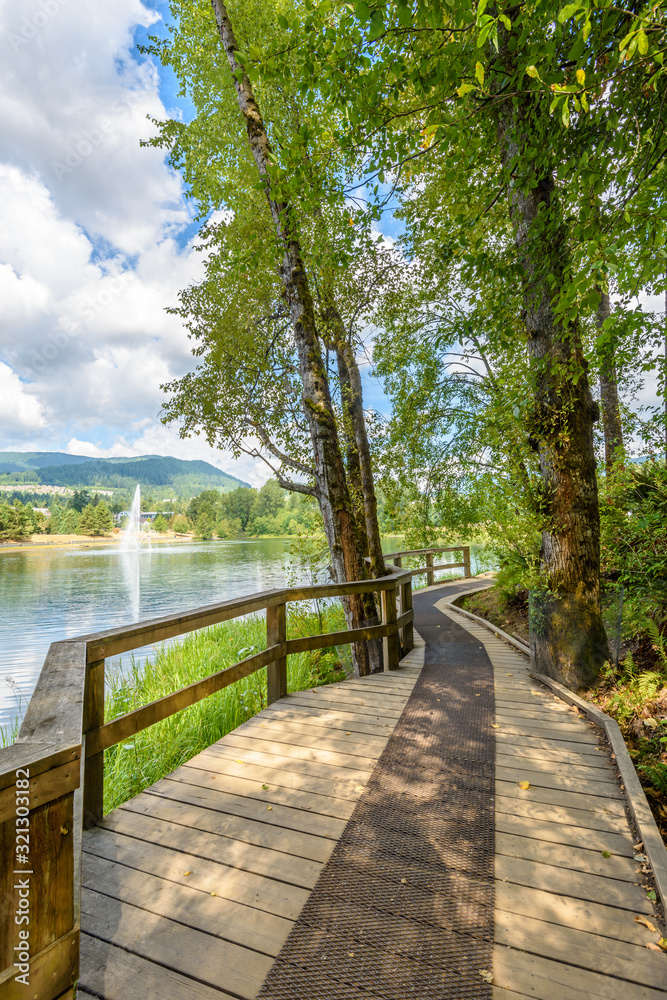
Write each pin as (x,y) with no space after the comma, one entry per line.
(84,541)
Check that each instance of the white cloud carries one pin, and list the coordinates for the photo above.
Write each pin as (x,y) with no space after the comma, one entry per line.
(19,410)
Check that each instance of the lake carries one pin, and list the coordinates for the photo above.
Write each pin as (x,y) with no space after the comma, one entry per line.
(49,593)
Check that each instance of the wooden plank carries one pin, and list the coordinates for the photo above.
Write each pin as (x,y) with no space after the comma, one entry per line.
(576,859)
(36,757)
(606,921)
(311,802)
(329,703)
(237,828)
(590,747)
(587,819)
(189,952)
(210,797)
(561,833)
(604,789)
(276,635)
(367,750)
(115,974)
(544,979)
(307,716)
(235,884)
(46,786)
(55,709)
(212,847)
(244,742)
(310,735)
(93,718)
(283,761)
(52,971)
(188,905)
(577,769)
(558,756)
(536,720)
(546,733)
(591,952)
(577,884)
(378,704)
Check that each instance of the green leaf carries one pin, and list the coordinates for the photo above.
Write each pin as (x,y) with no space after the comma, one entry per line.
(464,89)
(506,21)
(606,854)
(532,72)
(565,114)
(568,11)
(642,43)
(283,22)
(479,73)
(651,895)
(587,30)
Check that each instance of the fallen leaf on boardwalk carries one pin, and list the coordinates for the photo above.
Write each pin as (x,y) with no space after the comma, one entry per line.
(638,847)
(662,944)
(348,734)
(641,858)
(645,922)
(486,975)
(239,761)
(214,894)
(350,954)
(478,696)
(265,787)
(524,785)
(187,873)
(653,947)
(606,854)
(495,725)
(509,675)
(651,895)
(269,807)
(404,881)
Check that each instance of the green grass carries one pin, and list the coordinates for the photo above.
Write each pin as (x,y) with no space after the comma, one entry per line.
(139,762)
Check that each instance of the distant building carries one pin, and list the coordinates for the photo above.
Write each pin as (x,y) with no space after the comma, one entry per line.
(146,516)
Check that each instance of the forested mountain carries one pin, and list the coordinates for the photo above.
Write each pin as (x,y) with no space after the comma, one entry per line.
(56,469)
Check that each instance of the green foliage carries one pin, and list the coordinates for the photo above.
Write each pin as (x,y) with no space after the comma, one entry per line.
(141,761)
(160,524)
(180,524)
(17,521)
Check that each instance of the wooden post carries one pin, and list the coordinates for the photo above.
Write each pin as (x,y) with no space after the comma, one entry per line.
(398,561)
(37,851)
(430,575)
(276,634)
(466,561)
(407,637)
(390,643)
(93,718)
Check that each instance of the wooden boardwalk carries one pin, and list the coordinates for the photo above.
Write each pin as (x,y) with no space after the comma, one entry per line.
(565,925)
(191,888)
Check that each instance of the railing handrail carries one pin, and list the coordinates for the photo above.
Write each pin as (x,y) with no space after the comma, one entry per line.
(434,548)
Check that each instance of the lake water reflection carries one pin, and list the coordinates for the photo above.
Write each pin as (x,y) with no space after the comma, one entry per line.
(48,594)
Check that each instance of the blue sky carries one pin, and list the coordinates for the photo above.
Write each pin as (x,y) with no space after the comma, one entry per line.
(96,236)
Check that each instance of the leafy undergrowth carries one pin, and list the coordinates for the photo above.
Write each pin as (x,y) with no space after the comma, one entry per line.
(139,762)
(507,613)
(634,694)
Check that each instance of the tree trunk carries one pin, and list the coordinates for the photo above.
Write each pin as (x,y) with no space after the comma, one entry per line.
(332,491)
(567,636)
(611,410)
(352,455)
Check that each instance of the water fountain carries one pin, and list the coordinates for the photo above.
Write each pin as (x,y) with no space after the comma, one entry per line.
(135,537)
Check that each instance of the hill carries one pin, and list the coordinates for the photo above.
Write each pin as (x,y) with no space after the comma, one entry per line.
(185,478)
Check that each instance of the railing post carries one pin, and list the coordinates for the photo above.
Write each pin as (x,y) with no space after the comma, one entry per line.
(398,561)
(466,561)
(93,718)
(390,643)
(407,632)
(276,634)
(430,575)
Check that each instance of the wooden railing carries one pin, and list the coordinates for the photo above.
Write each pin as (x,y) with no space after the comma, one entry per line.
(397,558)
(52,778)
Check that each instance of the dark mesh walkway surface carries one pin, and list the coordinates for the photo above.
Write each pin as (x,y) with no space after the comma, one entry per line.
(404,907)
